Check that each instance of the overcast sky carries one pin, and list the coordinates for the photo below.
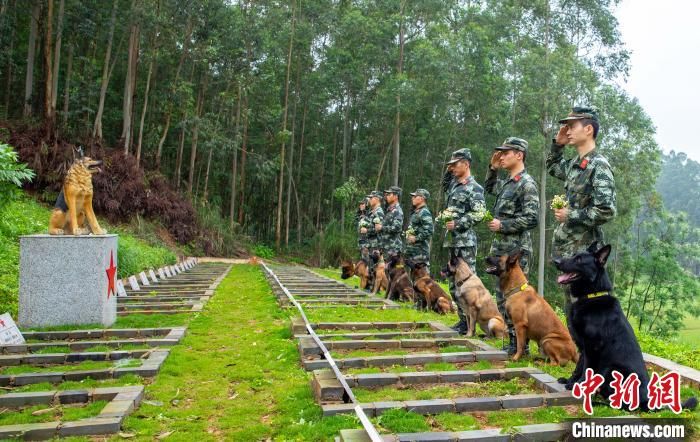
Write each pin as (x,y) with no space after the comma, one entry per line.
(664,38)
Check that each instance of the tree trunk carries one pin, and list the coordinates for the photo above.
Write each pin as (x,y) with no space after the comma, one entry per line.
(290,169)
(168,112)
(298,181)
(178,160)
(31,53)
(278,227)
(344,160)
(397,125)
(8,80)
(130,79)
(57,55)
(49,114)
(234,165)
(97,128)
(195,131)
(139,143)
(244,154)
(205,195)
(543,177)
(66,92)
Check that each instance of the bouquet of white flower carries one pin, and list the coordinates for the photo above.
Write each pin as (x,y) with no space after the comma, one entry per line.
(446,216)
(559,202)
(376,220)
(485,215)
(409,232)
(364,222)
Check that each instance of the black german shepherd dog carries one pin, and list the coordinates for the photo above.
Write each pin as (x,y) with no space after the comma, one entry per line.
(603,335)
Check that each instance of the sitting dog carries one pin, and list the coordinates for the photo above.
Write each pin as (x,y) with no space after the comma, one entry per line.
(381,281)
(400,287)
(533,318)
(475,300)
(74,203)
(602,333)
(429,294)
(360,268)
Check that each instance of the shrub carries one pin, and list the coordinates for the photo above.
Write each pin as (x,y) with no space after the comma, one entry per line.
(263,251)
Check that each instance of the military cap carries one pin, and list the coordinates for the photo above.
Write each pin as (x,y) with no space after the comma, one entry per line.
(580,113)
(421,192)
(461,154)
(394,189)
(375,193)
(513,143)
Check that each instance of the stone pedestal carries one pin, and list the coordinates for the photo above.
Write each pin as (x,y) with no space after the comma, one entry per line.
(67,280)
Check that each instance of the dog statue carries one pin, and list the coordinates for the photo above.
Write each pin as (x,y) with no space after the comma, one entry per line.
(360,268)
(74,203)
(601,331)
(475,300)
(400,287)
(429,294)
(533,318)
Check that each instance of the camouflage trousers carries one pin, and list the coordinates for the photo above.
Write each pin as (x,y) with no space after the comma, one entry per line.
(468,254)
(412,260)
(500,298)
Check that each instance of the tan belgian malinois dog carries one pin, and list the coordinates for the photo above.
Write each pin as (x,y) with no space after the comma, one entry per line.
(359,269)
(476,301)
(429,294)
(533,318)
(74,203)
(381,281)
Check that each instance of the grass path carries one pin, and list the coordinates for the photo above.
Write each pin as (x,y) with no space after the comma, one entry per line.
(213,387)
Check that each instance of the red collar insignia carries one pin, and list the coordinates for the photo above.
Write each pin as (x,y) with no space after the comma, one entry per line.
(584,163)
(516,178)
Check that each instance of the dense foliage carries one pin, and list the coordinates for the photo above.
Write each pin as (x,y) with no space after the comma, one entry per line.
(271,117)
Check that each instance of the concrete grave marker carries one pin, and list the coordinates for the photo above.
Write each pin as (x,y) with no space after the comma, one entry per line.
(174,269)
(161,273)
(9,333)
(168,273)
(121,291)
(144,278)
(132,282)
(152,274)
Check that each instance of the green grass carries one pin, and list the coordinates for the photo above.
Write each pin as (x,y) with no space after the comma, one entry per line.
(131,321)
(86,365)
(451,391)
(60,413)
(123,381)
(690,333)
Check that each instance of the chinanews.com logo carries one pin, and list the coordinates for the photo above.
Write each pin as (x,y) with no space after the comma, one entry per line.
(662,392)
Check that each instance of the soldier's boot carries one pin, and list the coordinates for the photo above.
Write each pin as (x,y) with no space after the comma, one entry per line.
(512,346)
(462,326)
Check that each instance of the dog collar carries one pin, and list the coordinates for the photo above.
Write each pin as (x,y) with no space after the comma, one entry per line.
(398,266)
(590,296)
(459,283)
(517,289)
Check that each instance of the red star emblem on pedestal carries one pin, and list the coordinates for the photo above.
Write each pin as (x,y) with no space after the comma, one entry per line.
(111,272)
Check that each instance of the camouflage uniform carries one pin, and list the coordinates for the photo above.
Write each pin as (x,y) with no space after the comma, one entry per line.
(392,226)
(466,197)
(517,207)
(422,224)
(374,239)
(590,191)
(361,216)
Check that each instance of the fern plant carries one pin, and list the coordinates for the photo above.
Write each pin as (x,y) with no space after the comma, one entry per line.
(12,173)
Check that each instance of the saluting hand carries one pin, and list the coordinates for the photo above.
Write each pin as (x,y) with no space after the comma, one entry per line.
(562,138)
(496,160)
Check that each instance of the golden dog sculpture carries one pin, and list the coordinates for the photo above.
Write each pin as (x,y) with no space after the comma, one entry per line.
(74,203)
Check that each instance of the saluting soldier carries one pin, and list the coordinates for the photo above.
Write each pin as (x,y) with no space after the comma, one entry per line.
(362,220)
(375,215)
(392,226)
(589,183)
(515,213)
(420,230)
(466,198)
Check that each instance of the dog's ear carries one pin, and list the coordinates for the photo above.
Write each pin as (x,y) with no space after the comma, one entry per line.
(593,247)
(601,256)
(514,257)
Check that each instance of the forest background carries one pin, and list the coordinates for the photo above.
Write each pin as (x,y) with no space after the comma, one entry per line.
(258,125)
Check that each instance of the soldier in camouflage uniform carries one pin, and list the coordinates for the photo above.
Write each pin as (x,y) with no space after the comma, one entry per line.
(376,216)
(362,220)
(465,197)
(589,183)
(515,213)
(418,244)
(392,225)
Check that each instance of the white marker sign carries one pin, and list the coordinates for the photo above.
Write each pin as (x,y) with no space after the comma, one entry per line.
(9,333)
